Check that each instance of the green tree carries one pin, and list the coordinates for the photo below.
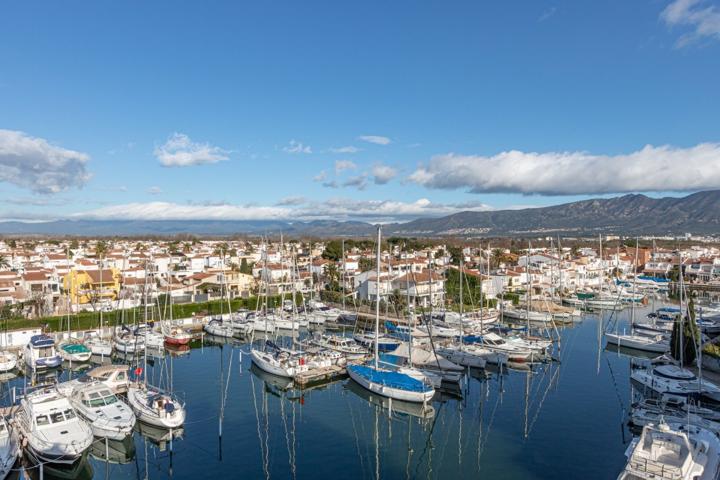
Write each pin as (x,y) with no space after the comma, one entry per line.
(4,262)
(74,244)
(691,337)
(366,264)
(246,267)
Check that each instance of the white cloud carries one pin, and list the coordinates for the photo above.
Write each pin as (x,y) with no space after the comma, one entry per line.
(382,174)
(330,184)
(320,177)
(333,209)
(35,164)
(663,168)
(359,182)
(291,201)
(154,190)
(348,149)
(341,165)
(297,147)
(180,151)
(702,19)
(376,139)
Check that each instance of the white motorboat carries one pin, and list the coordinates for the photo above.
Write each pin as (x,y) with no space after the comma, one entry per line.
(9,448)
(674,380)
(107,415)
(655,343)
(673,451)
(155,407)
(52,429)
(428,362)
(346,346)
(74,351)
(8,361)
(40,353)
(469,355)
(642,416)
(114,377)
(525,315)
(509,351)
(219,329)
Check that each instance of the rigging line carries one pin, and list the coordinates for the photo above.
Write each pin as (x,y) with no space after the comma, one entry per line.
(542,401)
(428,441)
(615,386)
(257,418)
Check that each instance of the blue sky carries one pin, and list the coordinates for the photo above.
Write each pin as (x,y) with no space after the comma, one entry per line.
(449,106)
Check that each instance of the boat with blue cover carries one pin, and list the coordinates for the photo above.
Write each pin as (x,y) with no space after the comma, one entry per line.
(390,383)
(40,353)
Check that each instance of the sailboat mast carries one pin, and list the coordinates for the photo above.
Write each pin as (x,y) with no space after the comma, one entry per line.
(343,274)
(462,305)
(411,316)
(682,316)
(377,301)
(528,285)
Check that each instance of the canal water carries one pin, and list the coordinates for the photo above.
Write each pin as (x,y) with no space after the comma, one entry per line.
(564,419)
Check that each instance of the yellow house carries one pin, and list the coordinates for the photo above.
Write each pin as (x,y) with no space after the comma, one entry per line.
(90,286)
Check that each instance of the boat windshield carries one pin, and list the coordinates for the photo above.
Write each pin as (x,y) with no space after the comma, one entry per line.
(46,352)
(100,399)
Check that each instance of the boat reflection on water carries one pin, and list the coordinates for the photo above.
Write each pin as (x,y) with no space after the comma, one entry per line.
(80,470)
(419,410)
(101,359)
(630,352)
(115,451)
(280,387)
(210,340)
(177,350)
(160,437)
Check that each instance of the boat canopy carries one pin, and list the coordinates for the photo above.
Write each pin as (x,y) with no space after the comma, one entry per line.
(390,379)
(41,341)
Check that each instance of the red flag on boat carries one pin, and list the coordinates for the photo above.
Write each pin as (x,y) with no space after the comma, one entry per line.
(138,371)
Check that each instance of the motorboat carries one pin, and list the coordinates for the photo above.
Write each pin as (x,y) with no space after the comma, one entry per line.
(49,424)
(672,451)
(8,361)
(675,380)
(74,351)
(9,448)
(219,329)
(509,351)
(469,355)
(107,415)
(385,343)
(114,377)
(339,343)
(156,407)
(40,353)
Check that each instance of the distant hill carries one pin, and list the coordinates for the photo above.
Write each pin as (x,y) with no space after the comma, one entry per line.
(629,214)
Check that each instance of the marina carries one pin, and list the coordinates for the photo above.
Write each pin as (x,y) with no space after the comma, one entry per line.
(511,421)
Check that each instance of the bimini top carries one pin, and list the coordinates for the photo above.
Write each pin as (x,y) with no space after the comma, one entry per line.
(41,341)
(390,378)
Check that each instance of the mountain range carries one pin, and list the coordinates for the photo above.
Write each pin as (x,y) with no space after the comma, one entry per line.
(697,213)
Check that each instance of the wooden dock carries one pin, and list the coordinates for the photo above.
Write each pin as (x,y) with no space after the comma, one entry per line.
(319,375)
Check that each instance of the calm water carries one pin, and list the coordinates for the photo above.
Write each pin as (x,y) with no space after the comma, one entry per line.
(560,420)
